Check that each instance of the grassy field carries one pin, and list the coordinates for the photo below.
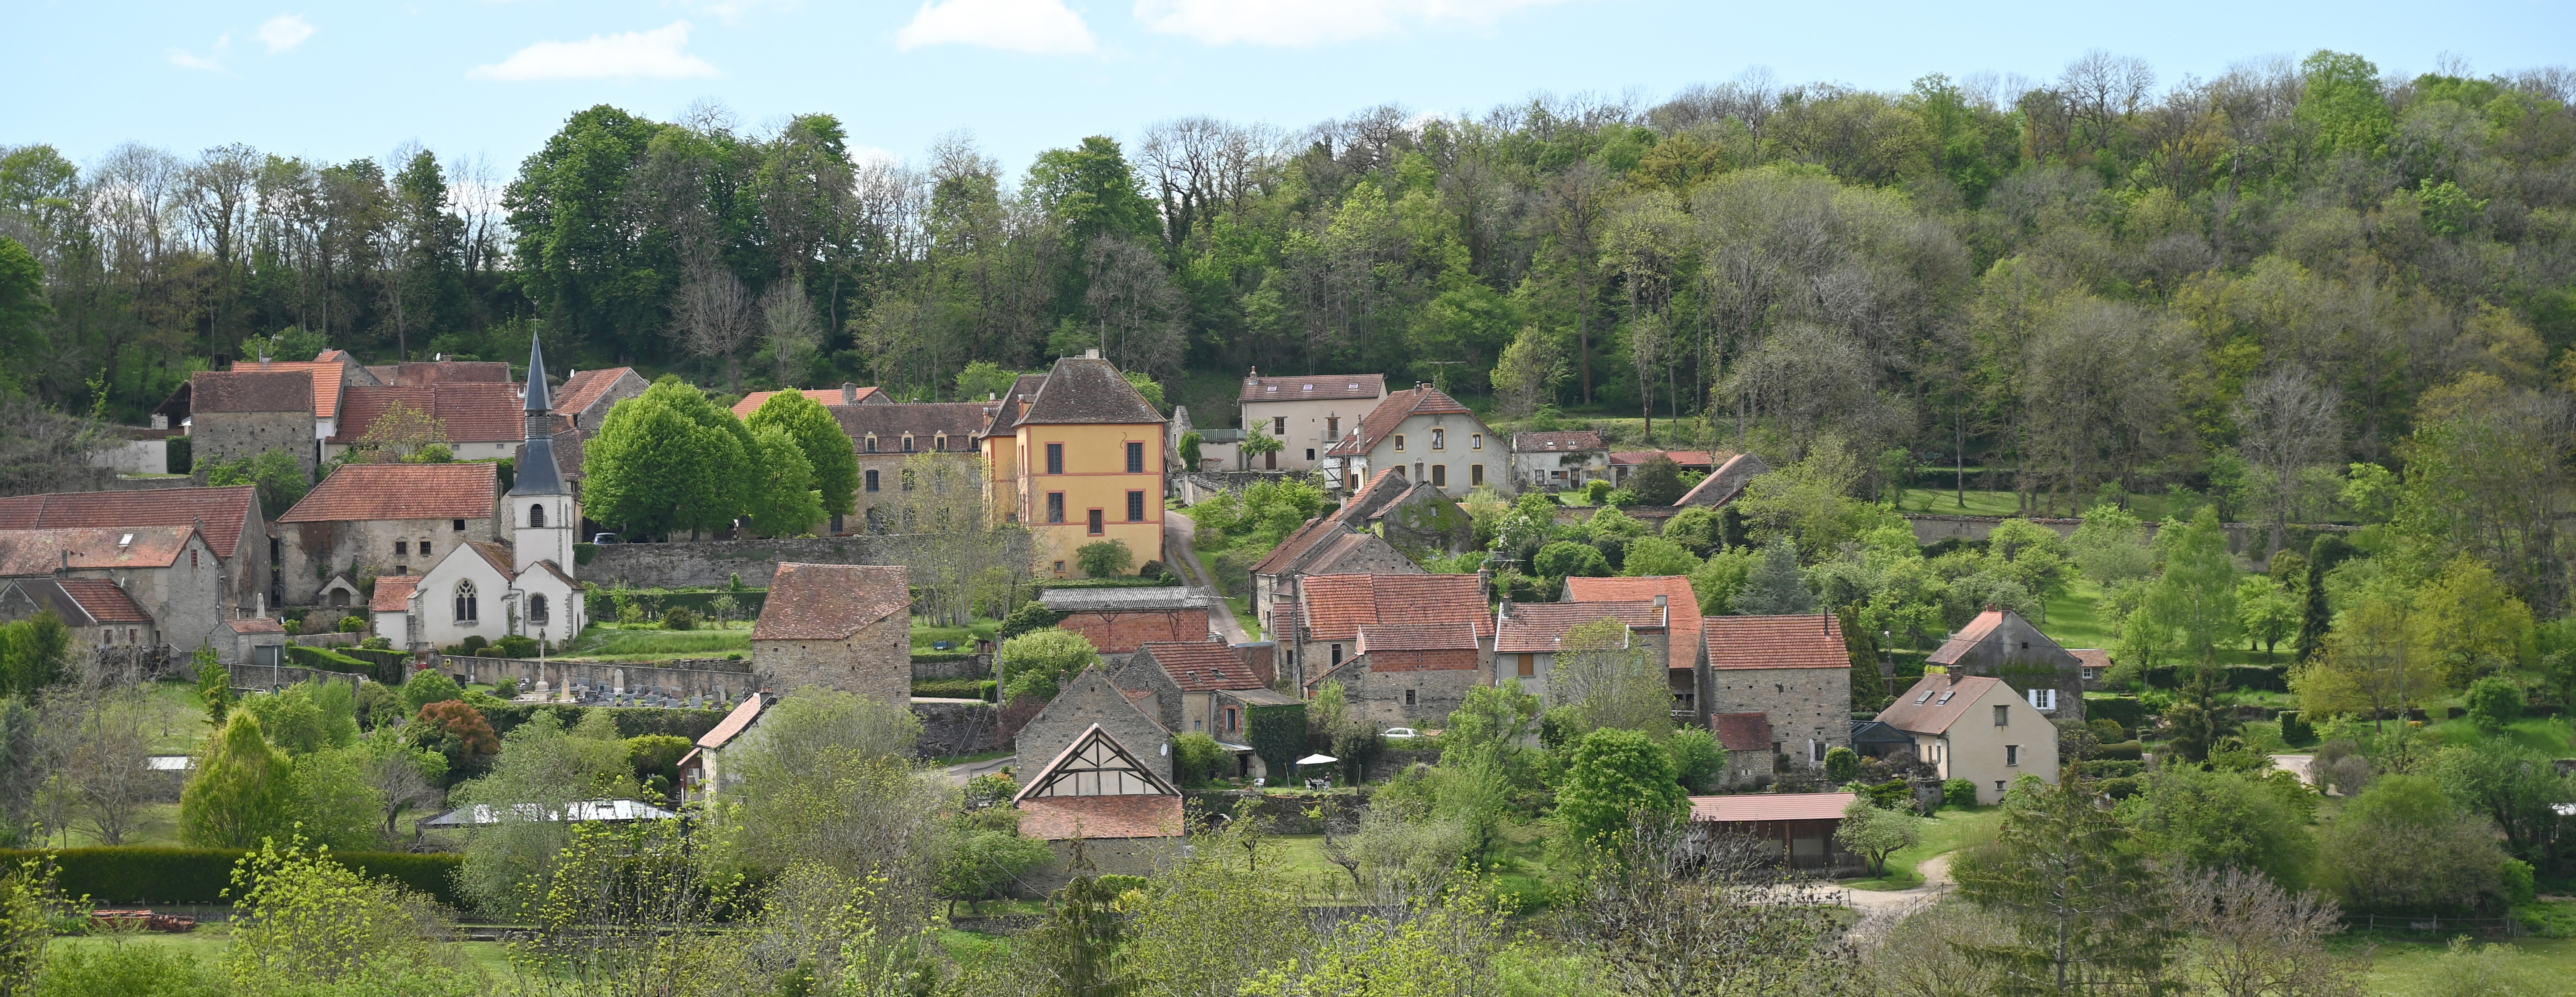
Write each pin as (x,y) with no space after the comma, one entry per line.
(1243,614)
(1947,831)
(963,637)
(611,641)
(206,946)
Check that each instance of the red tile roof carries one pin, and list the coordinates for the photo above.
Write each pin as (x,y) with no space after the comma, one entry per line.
(1685,458)
(326,375)
(1062,818)
(1418,637)
(1337,606)
(1561,441)
(1382,421)
(1290,551)
(584,388)
(1202,666)
(1750,807)
(400,491)
(1777,642)
(751,403)
(1935,702)
(2091,657)
(42,552)
(830,601)
(1677,592)
(472,411)
(223,513)
(734,723)
(393,593)
(1742,731)
(104,601)
(1258,388)
(253,391)
(1538,627)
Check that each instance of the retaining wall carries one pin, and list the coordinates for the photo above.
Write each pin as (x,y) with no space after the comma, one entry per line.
(960,727)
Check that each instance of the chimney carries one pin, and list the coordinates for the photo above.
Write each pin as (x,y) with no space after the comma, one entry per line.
(1506,611)
(1254,377)
(263,607)
(849,393)
(1091,354)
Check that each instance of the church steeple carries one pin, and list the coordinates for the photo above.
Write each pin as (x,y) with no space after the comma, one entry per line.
(541,506)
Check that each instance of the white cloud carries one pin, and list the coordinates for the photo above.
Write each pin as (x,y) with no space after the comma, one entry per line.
(1011,25)
(655,54)
(210,62)
(285,31)
(1317,22)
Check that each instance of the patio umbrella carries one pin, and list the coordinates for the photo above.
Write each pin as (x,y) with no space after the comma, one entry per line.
(1317,760)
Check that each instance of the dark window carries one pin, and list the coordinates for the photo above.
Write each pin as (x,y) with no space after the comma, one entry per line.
(1278,425)
(1135,507)
(1310,453)
(1475,474)
(537,610)
(907,443)
(1332,427)
(2003,716)
(459,526)
(1337,654)
(1055,507)
(1135,458)
(468,609)
(1096,523)
(402,547)
(536,516)
(1408,697)
(1440,475)
(1055,458)
(872,481)
(872,442)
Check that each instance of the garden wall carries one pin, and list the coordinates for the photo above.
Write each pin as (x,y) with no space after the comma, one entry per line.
(717,678)
(716,562)
(949,728)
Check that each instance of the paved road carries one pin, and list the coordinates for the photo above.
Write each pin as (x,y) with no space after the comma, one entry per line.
(1179,535)
(962,774)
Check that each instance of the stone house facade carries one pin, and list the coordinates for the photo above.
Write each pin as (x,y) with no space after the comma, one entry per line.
(1119,621)
(1686,654)
(238,415)
(227,520)
(888,437)
(1307,415)
(1529,636)
(484,420)
(1321,627)
(1092,699)
(1410,674)
(585,397)
(101,615)
(1185,678)
(385,519)
(1558,460)
(1795,671)
(1999,643)
(1422,429)
(169,573)
(838,626)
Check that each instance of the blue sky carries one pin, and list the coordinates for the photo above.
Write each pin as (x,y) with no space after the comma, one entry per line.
(337,81)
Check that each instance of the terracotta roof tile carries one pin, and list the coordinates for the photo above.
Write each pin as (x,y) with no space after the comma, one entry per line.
(393,593)
(734,723)
(1201,666)
(1381,421)
(1748,807)
(826,397)
(1062,818)
(1561,441)
(472,411)
(400,491)
(26,553)
(104,601)
(1677,593)
(584,388)
(1006,410)
(328,376)
(2091,657)
(1418,637)
(1777,642)
(1742,731)
(1258,388)
(223,513)
(1336,606)
(252,391)
(1079,390)
(496,555)
(830,601)
(1967,638)
(1294,549)
(1935,702)
(1538,627)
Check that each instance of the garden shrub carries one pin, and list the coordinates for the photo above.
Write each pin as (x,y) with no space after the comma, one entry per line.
(679,618)
(157,874)
(1959,793)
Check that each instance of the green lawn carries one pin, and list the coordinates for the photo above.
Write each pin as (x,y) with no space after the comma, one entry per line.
(963,637)
(2404,964)
(206,945)
(611,641)
(179,723)
(1948,830)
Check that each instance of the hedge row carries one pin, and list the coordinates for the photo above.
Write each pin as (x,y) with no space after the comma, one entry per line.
(747,602)
(955,688)
(938,657)
(328,660)
(632,721)
(2271,678)
(2126,709)
(144,874)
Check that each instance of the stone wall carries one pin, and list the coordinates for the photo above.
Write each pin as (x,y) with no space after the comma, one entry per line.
(1202,486)
(248,677)
(1437,691)
(1804,704)
(973,666)
(1089,699)
(231,436)
(697,563)
(875,662)
(310,552)
(960,729)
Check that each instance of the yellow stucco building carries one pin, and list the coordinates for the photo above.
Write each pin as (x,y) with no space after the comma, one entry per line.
(1077,456)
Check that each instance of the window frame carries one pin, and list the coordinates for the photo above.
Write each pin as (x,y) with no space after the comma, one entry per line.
(467,605)
(871,482)
(1399,442)
(1135,456)
(1475,475)
(1055,458)
(1055,508)
(1135,505)
(1439,475)
(1439,438)
(2003,715)
(1095,522)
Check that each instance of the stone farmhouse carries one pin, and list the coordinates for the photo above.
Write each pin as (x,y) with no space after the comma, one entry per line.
(1320,627)
(1307,415)
(1409,674)
(99,613)
(1103,808)
(888,437)
(226,520)
(1529,636)
(1077,455)
(1999,643)
(1121,621)
(1792,672)
(484,420)
(169,573)
(240,414)
(1558,459)
(837,626)
(1686,654)
(1421,428)
(1185,678)
(1091,700)
(385,519)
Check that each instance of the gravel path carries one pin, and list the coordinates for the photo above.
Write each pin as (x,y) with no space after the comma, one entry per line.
(1179,542)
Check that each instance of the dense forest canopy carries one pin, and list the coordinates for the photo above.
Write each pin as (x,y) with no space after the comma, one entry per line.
(2103,279)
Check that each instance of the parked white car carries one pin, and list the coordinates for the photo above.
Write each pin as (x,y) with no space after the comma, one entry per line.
(1402,733)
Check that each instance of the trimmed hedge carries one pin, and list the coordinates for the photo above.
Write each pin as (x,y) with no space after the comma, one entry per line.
(155,874)
(2125,709)
(2109,768)
(2125,751)
(325,659)
(939,657)
(632,721)
(955,688)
